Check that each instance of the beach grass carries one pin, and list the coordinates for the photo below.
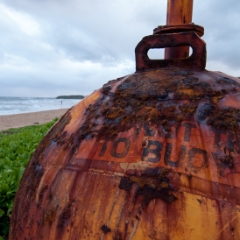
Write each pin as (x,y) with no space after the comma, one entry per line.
(16,148)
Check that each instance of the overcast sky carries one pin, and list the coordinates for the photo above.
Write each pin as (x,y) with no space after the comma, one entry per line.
(54,47)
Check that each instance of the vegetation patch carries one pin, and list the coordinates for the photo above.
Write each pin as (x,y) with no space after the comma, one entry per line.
(16,148)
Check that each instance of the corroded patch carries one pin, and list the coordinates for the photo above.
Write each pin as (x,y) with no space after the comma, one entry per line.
(164,98)
(152,184)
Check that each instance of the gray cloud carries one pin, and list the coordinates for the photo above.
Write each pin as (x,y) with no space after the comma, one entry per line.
(51,47)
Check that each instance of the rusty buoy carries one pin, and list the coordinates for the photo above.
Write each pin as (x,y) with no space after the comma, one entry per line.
(152,155)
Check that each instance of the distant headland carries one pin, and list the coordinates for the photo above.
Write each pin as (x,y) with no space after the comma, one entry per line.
(70,97)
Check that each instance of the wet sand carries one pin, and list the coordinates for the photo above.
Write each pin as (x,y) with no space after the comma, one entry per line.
(27,119)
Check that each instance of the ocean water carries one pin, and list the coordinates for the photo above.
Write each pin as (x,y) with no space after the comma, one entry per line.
(16,105)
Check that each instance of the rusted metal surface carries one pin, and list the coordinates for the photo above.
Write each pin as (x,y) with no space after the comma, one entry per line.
(180,28)
(178,12)
(136,159)
(152,155)
(196,61)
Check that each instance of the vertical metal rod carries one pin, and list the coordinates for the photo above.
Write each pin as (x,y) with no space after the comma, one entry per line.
(178,12)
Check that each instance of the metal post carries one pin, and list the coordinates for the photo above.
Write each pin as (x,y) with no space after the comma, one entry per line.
(178,12)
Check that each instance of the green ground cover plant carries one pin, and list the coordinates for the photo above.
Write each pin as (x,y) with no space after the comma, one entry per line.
(16,148)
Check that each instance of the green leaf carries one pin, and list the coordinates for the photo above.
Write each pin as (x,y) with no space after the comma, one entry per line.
(1,212)
(16,148)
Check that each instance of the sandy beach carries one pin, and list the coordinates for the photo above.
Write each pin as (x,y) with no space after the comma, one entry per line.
(27,119)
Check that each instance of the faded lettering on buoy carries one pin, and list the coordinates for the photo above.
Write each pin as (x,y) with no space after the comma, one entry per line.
(181,148)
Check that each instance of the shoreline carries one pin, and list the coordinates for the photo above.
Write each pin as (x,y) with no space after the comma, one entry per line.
(28,119)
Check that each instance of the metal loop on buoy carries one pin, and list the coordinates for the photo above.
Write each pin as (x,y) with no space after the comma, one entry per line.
(197,61)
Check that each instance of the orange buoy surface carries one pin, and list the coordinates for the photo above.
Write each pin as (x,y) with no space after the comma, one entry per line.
(153,155)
